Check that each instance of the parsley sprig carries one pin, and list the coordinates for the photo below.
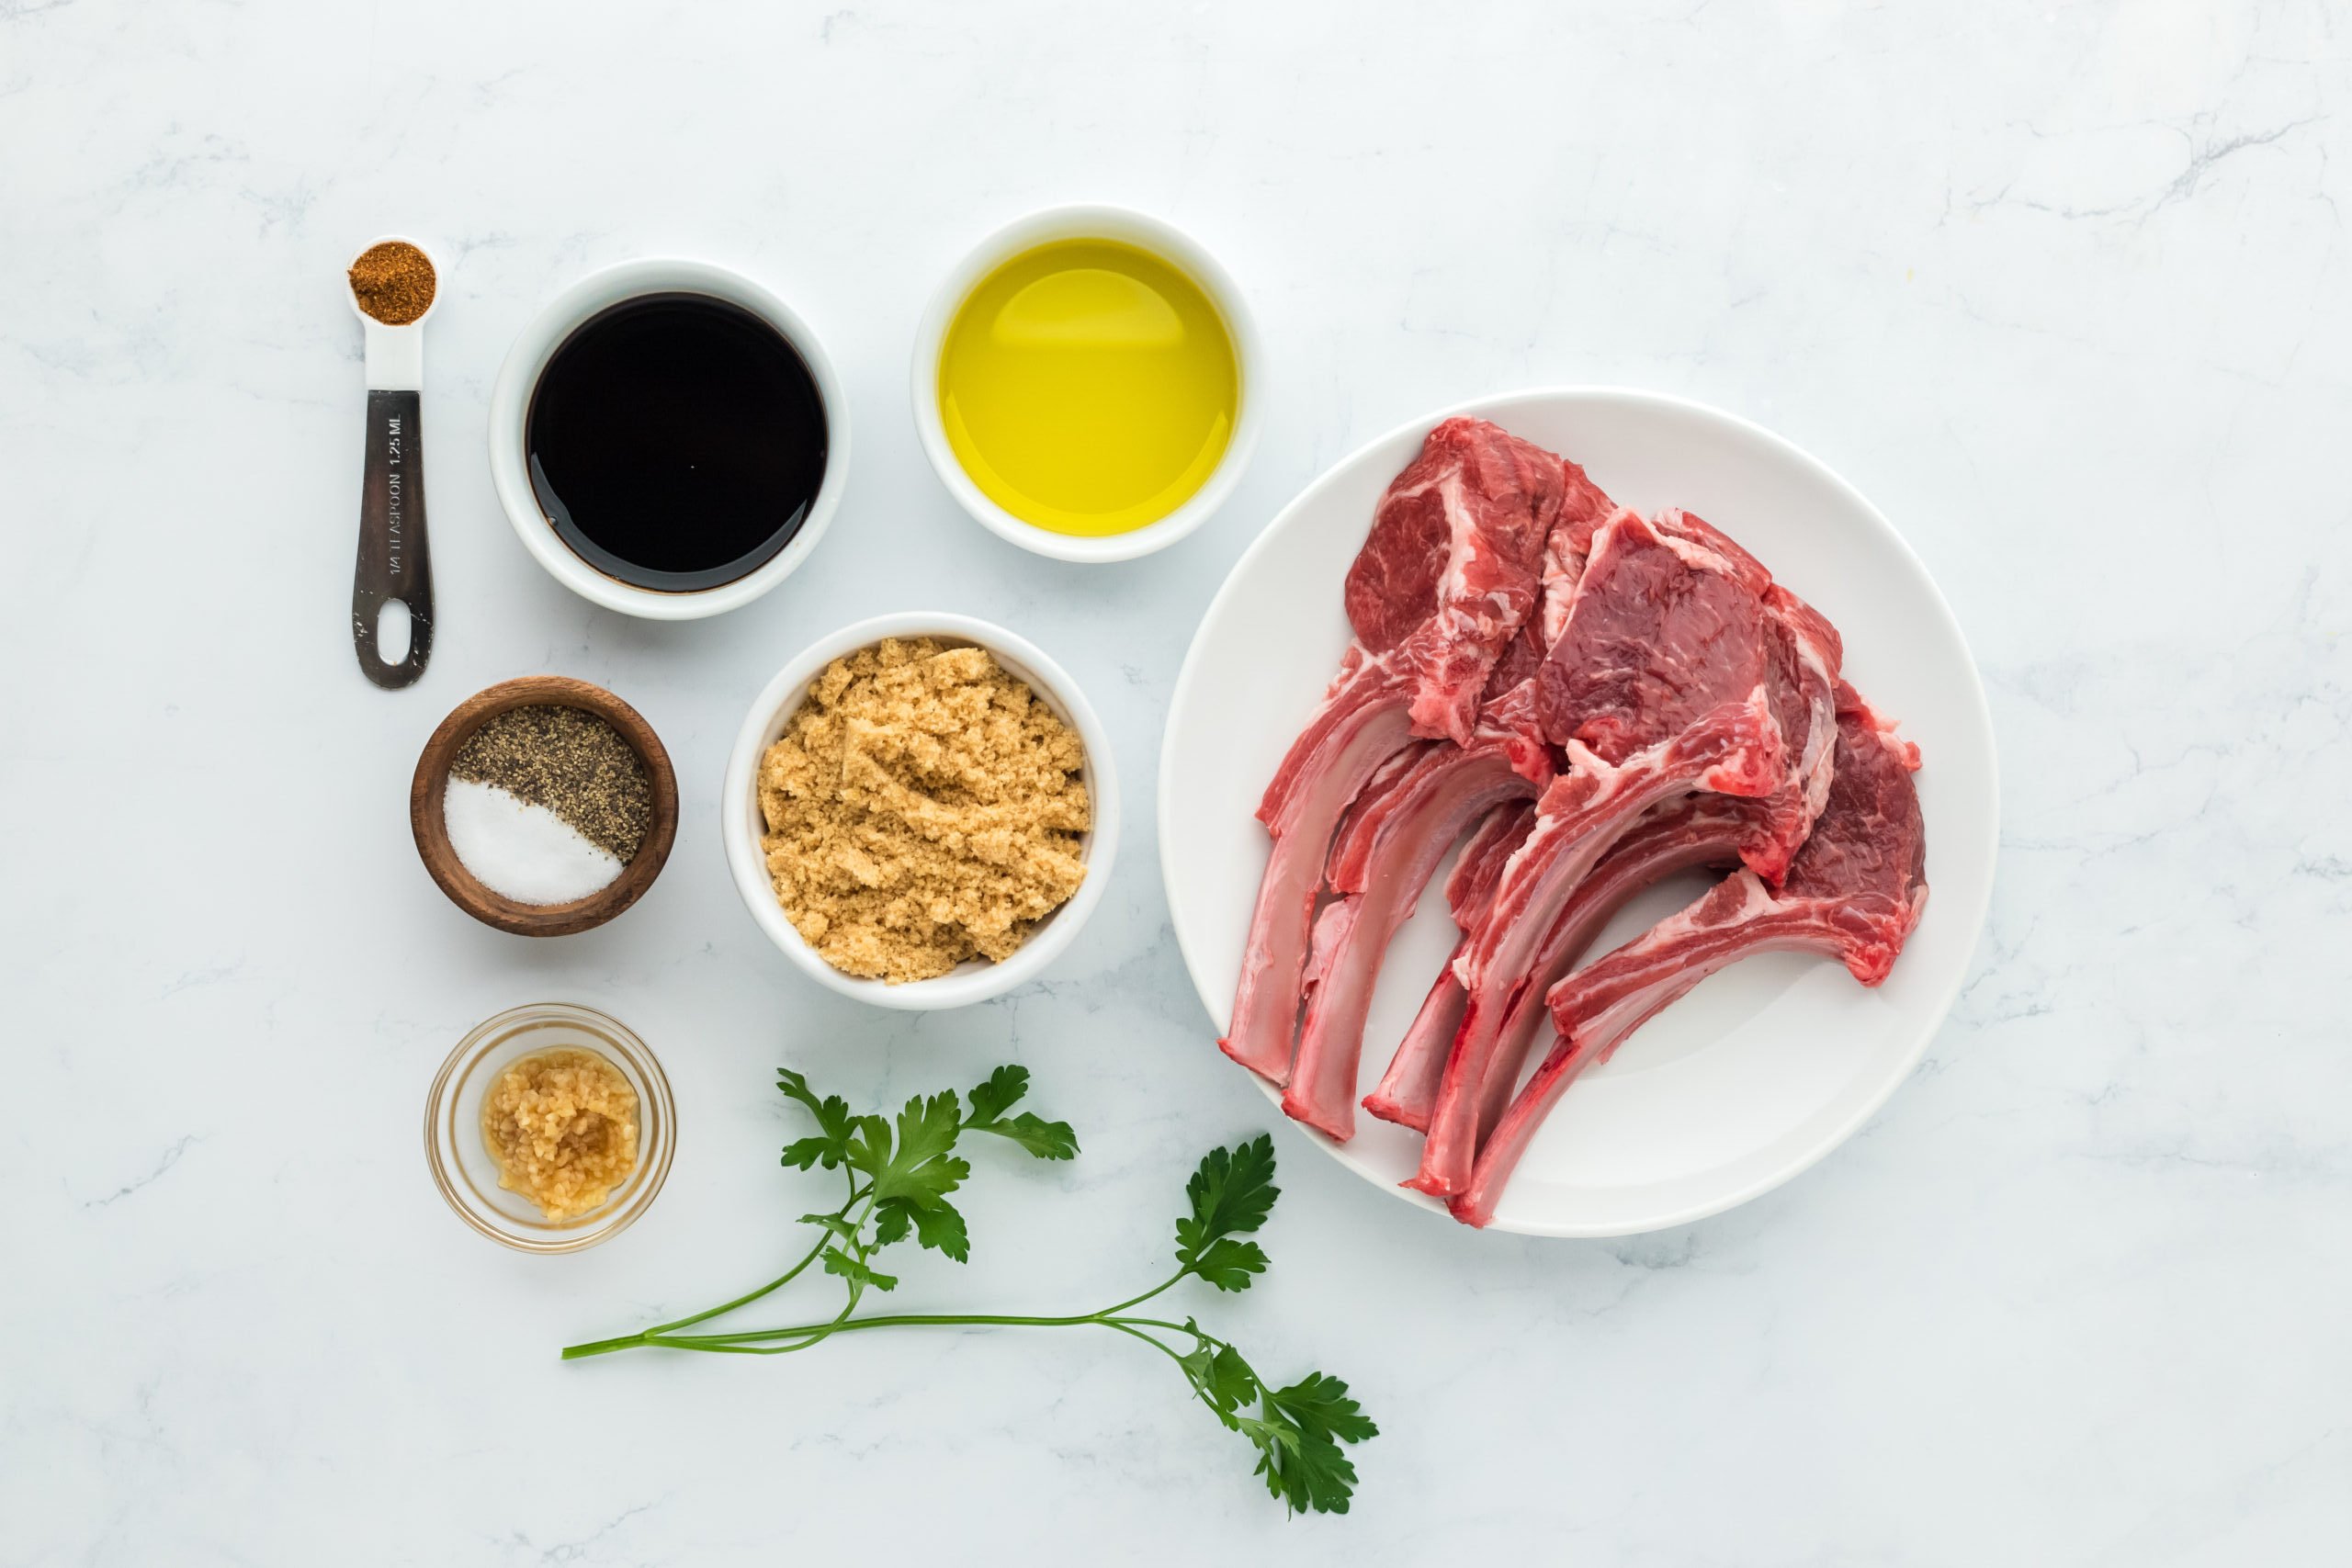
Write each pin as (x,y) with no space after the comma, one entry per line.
(899,1175)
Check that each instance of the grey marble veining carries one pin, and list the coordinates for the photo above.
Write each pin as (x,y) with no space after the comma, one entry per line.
(2063,288)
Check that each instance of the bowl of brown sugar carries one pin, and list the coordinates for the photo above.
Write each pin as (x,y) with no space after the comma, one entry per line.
(920,811)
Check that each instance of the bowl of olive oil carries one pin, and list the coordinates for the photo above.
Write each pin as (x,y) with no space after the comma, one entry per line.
(1084,384)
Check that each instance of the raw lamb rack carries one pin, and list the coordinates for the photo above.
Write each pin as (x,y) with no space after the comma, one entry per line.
(1448,576)
(1666,704)
(1854,892)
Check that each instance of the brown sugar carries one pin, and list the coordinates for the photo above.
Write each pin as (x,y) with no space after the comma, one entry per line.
(922,809)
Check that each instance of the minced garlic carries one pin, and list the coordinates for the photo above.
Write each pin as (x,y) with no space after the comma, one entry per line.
(922,809)
(563,1126)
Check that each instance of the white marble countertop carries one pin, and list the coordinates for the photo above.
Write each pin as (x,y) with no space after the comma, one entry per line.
(2063,288)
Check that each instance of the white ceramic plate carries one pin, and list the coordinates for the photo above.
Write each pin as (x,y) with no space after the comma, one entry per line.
(1767,1065)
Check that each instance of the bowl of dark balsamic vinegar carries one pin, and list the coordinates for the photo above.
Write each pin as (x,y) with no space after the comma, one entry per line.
(669,439)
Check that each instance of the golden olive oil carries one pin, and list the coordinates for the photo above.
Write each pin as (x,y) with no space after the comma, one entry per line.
(1089,387)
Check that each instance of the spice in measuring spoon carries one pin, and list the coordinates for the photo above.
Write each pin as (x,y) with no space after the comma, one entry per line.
(547,804)
(393,282)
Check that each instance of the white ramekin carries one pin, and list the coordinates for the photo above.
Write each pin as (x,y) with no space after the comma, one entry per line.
(741,825)
(510,405)
(1089,223)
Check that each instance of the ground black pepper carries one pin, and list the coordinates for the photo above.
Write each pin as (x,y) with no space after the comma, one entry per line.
(570,761)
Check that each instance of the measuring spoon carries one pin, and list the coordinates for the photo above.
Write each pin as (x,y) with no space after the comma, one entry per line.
(395,562)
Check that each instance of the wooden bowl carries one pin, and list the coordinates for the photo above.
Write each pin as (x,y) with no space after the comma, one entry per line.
(431,830)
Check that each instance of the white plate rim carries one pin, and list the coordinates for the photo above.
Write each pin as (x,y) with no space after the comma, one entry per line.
(1497,407)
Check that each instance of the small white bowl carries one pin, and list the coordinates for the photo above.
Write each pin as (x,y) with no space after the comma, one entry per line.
(510,407)
(742,826)
(1090,223)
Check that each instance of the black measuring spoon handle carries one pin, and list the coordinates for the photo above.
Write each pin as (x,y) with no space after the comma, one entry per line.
(394,560)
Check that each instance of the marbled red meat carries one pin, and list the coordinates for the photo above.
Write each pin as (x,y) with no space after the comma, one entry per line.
(1671,675)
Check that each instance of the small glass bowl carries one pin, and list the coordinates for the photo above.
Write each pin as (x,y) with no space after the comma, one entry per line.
(462,1165)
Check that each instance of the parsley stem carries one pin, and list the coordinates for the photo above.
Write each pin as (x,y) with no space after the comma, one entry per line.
(775,1284)
(760,1340)
(756,1341)
(1137,1301)
(1199,1335)
(811,1333)
(1166,1350)
(892,1320)
(602,1347)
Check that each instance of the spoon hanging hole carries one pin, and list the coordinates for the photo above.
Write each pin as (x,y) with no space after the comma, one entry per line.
(393,631)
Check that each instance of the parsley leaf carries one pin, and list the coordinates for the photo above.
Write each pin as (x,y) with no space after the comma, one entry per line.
(990,1100)
(1322,1403)
(1298,1432)
(910,1174)
(921,1170)
(1308,1471)
(1004,1090)
(1231,1193)
(802,1153)
(938,1226)
(1047,1140)
(830,1147)
(867,1147)
(1228,1264)
(848,1268)
(942,1230)
(1218,1374)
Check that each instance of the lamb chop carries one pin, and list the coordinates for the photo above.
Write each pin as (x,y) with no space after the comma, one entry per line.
(1681,668)
(1380,869)
(1384,855)
(1472,885)
(1352,933)
(1468,893)
(1675,836)
(1507,729)
(1445,580)
(1854,892)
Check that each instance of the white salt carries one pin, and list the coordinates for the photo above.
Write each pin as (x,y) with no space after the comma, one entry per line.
(520,851)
